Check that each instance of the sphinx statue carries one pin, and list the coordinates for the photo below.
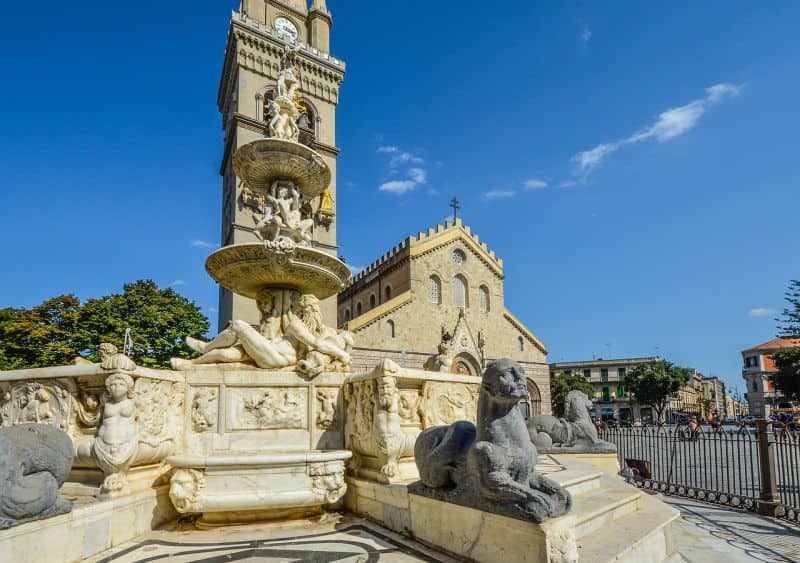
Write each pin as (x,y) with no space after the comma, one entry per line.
(490,465)
(35,460)
(575,432)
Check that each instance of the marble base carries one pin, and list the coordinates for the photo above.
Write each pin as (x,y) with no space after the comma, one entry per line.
(228,489)
(608,463)
(92,527)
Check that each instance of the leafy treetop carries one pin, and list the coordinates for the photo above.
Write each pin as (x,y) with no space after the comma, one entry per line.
(561,385)
(653,383)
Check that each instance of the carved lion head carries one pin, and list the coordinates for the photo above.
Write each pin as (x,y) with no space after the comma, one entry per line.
(505,381)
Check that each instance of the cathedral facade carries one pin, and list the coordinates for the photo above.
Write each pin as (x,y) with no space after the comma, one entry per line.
(440,291)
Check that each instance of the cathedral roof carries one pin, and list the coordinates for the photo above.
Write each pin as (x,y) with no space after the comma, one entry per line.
(430,240)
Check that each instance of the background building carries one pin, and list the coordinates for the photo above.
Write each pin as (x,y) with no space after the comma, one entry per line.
(442,280)
(257,37)
(611,398)
(757,371)
(701,397)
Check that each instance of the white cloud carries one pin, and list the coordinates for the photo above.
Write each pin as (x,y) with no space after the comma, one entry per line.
(670,124)
(586,35)
(405,158)
(398,187)
(761,312)
(568,184)
(202,244)
(177,283)
(419,175)
(388,149)
(534,184)
(499,194)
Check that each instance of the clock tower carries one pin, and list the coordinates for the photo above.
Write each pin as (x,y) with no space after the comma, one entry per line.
(259,33)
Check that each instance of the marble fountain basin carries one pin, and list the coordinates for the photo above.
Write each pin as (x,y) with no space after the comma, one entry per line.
(248,268)
(235,488)
(261,162)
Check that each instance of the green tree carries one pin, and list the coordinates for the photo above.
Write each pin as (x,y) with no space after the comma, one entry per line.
(44,335)
(159,320)
(560,385)
(789,321)
(787,380)
(59,329)
(653,383)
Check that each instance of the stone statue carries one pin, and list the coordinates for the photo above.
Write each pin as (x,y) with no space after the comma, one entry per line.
(443,360)
(574,433)
(303,341)
(490,465)
(185,488)
(35,460)
(389,438)
(117,440)
(284,108)
(110,358)
(284,216)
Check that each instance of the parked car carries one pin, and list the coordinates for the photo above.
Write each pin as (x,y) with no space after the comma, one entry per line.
(749,420)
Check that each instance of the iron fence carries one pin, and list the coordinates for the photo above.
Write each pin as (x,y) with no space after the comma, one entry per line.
(755,469)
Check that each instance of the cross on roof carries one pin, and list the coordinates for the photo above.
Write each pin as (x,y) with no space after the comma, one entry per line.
(456,206)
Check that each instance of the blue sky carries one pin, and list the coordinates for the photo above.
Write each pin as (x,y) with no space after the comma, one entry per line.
(634,163)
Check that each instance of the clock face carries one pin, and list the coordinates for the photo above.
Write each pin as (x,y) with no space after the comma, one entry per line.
(286,28)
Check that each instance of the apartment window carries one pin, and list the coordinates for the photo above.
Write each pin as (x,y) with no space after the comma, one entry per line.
(621,373)
(604,375)
(622,390)
(358,308)
(568,372)
(587,373)
(606,394)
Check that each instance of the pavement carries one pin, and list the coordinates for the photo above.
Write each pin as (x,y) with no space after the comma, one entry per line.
(707,533)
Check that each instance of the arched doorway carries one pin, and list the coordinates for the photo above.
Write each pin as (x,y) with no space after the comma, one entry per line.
(465,364)
(536,399)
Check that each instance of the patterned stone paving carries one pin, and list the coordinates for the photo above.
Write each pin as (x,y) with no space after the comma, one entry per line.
(333,538)
(711,534)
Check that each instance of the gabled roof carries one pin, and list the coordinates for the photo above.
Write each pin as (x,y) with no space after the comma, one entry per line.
(775,344)
(432,239)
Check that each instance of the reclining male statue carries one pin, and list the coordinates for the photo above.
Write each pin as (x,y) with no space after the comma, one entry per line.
(489,465)
(35,460)
(289,336)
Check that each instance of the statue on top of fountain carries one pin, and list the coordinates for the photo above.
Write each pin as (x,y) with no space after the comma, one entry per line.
(291,336)
(284,108)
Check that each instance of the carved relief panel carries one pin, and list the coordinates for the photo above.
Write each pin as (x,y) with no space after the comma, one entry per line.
(445,402)
(270,408)
(41,401)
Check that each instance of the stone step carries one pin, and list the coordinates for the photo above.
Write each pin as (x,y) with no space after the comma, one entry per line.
(576,481)
(601,508)
(643,536)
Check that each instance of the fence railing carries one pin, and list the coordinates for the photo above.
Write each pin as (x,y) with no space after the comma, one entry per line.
(755,469)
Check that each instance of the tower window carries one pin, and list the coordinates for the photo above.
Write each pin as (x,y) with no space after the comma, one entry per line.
(358,308)
(460,292)
(347,315)
(387,293)
(372,301)
(390,328)
(521,342)
(483,294)
(434,290)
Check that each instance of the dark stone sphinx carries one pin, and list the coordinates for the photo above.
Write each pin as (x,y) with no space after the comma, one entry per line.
(35,460)
(489,465)
(575,433)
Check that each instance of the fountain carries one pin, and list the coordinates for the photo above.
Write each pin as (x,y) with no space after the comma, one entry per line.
(273,449)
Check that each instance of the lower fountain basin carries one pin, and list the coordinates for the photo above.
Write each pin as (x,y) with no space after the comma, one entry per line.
(235,488)
(247,268)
